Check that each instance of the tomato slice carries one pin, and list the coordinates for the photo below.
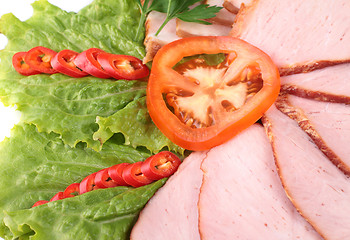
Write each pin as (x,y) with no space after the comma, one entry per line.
(58,196)
(72,190)
(123,66)
(201,107)
(87,61)
(161,165)
(39,59)
(21,66)
(88,184)
(63,62)
(40,202)
(103,180)
(133,176)
(116,173)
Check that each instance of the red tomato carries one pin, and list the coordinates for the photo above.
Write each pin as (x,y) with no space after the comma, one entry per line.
(63,62)
(200,107)
(116,173)
(21,66)
(103,180)
(40,202)
(123,66)
(39,59)
(87,61)
(133,176)
(58,196)
(72,190)
(161,165)
(87,184)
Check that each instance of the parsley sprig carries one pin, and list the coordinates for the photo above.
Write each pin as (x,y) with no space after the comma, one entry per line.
(176,9)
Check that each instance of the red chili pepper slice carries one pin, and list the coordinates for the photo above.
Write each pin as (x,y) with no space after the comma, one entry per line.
(63,62)
(21,66)
(39,58)
(116,173)
(40,202)
(133,176)
(161,165)
(123,66)
(71,191)
(103,180)
(88,184)
(58,196)
(87,61)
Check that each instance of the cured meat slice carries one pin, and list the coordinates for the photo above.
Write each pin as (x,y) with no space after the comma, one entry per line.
(318,189)
(190,29)
(152,42)
(298,35)
(242,196)
(224,17)
(172,212)
(327,84)
(234,5)
(328,124)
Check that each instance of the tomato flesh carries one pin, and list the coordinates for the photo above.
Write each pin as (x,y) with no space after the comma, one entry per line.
(116,173)
(63,62)
(133,176)
(198,107)
(39,59)
(87,61)
(161,165)
(123,66)
(18,62)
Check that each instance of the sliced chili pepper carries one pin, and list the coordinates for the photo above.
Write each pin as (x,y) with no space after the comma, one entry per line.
(72,190)
(88,184)
(116,173)
(103,180)
(161,165)
(87,61)
(123,66)
(18,62)
(133,176)
(63,62)
(39,59)
(40,202)
(58,196)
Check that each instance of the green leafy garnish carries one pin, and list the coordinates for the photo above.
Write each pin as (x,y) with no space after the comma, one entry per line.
(177,9)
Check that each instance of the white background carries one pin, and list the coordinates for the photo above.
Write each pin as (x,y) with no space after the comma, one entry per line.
(23,10)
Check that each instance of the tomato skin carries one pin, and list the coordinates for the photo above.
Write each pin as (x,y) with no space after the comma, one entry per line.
(161,165)
(40,202)
(63,62)
(103,180)
(133,176)
(123,66)
(163,79)
(87,61)
(71,191)
(116,173)
(58,196)
(39,59)
(87,184)
(18,62)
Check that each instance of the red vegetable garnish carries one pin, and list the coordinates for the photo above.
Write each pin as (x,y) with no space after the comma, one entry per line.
(63,62)
(116,173)
(123,66)
(88,184)
(58,196)
(40,202)
(87,61)
(159,166)
(103,180)
(39,59)
(133,176)
(21,66)
(72,190)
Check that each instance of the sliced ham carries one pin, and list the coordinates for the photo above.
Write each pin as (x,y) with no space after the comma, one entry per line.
(234,5)
(298,35)
(318,189)
(190,29)
(172,212)
(242,196)
(328,84)
(328,124)
(224,17)
(152,42)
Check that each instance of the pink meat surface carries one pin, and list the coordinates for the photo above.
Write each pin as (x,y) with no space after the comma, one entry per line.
(298,35)
(223,17)
(242,196)
(318,189)
(172,213)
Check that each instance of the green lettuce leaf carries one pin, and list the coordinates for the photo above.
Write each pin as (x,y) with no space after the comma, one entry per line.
(35,166)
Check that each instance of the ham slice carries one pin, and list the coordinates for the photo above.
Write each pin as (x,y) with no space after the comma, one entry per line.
(234,5)
(327,84)
(242,196)
(328,124)
(190,29)
(172,212)
(224,17)
(318,189)
(298,35)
